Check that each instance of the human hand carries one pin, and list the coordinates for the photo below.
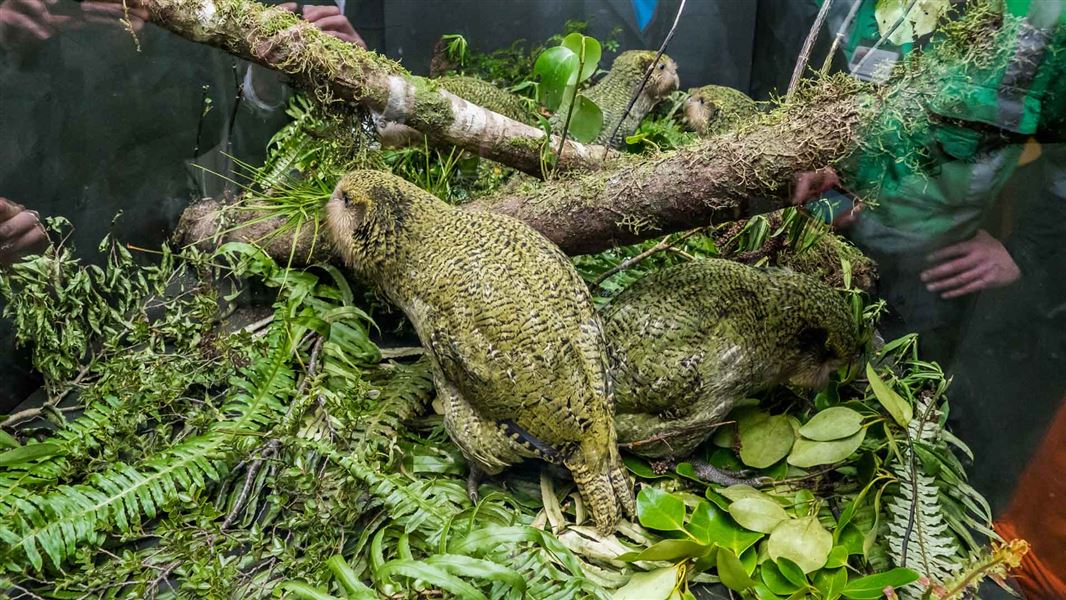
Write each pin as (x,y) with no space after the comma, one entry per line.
(328,19)
(23,22)
(971,266)
(21,233)
(27,21)
(811,185)
(808,185)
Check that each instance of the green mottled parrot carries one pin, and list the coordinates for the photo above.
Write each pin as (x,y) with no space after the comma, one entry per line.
(517,350)
(713,109)
(613,93)
(689,341)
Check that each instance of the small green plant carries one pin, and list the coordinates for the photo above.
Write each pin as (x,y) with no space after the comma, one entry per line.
(562,69)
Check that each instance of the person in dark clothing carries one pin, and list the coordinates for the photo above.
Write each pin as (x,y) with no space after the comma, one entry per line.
(100,119)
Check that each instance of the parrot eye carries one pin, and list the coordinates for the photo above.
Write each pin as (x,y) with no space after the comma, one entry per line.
(662,66)
(347,200)
(701,101)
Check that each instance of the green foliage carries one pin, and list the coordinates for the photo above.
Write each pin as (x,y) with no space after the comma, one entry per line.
(561,70)
(70,314)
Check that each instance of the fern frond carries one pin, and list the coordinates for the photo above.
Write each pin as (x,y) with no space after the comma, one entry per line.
(916,518)
(60,521)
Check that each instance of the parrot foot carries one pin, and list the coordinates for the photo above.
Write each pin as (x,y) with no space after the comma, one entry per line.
(473,478)
(712,474)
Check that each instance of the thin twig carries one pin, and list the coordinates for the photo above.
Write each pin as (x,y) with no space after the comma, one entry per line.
(163,575)
(913,512)
(808,46)
(839,37)
(629,262)
(249,480)
(647,76)
(884,38)
(31,413)
(254,327)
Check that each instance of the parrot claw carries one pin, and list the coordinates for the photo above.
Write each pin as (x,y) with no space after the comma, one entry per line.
(473,478)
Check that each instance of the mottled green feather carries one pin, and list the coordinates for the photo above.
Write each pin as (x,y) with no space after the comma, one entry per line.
(487,95)
(689,341)
(517,349)
(613,93)
(713,109)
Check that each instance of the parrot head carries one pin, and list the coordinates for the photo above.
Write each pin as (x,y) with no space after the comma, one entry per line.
(820,332)
(708,104)
(366,212)
(663,79)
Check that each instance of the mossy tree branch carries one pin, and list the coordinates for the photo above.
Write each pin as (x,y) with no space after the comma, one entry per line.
(728,177)
(333,69)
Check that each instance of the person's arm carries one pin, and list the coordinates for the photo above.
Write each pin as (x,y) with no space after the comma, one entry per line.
(328,19)
(21,233)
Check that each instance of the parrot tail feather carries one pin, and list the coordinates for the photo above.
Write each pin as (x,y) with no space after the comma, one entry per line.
(604,486)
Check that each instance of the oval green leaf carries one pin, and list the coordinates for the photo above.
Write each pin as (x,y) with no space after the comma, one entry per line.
(587,50)
(757,514)
(710,525)
(832,424)
(652,585)
(803,541)
(555,67)
(872,587)
(896,406)
(775,580)
(764,439)
(586,121)
(732,573)
(671,550)
(660,510)
(809,453)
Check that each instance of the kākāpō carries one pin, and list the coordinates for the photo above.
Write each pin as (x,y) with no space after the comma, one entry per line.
(613,92)
(689,341)
(517,350)
(714,109)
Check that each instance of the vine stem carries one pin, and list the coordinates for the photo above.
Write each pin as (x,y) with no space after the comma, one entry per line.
(884,38)
(808,47)
(839,37)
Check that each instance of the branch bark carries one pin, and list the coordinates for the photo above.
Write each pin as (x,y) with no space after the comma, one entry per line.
(337,70)
(729,177)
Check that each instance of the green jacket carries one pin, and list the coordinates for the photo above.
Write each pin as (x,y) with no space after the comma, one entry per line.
(935,175)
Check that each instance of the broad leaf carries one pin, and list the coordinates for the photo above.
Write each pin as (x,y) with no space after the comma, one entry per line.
(555,67)
(757,514)
(803,541)
(872,587)
(660,510)
(732,573)
(709,524)
(764,439)
(659,584)
(832,424)
(896,406)
(586,121)
(808,453)
(587,50)
(670,550)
